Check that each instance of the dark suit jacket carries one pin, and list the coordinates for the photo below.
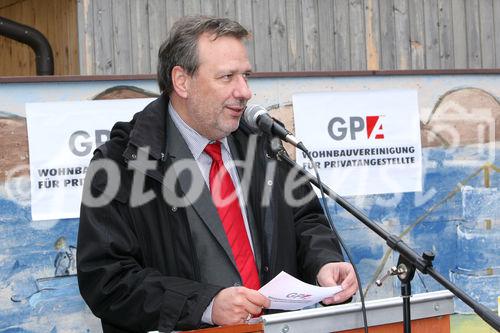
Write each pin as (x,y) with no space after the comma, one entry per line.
(143,265)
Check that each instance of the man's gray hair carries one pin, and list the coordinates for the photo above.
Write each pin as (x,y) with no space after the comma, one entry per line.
(181,46)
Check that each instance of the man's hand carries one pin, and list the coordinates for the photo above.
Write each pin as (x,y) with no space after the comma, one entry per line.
(338,273)
(235,305)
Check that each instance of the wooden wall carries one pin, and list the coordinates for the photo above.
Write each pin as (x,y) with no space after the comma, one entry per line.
(57,20)
(123,36)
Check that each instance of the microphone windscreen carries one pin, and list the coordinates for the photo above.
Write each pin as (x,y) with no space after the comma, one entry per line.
(252,114)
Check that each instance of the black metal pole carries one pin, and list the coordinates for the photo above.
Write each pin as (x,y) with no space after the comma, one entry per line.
(422,263)
(406,294)
(405,273)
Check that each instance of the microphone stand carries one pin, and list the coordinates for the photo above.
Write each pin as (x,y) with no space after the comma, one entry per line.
(408,260)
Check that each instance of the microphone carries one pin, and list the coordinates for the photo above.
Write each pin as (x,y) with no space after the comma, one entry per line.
(257,118)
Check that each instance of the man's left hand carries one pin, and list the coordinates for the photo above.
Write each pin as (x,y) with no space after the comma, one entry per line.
(338,273)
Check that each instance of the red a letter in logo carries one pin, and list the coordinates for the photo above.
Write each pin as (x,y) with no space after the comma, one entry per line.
(371,123)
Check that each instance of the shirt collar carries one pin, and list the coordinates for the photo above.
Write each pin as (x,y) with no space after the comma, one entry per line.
(195,141)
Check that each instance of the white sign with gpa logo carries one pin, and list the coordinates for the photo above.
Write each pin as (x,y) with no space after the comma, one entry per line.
(62,137)
(362,142)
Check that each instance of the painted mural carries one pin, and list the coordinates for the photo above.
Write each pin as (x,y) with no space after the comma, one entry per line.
(456,215)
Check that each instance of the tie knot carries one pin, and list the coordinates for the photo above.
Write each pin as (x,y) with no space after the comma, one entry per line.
(214,151)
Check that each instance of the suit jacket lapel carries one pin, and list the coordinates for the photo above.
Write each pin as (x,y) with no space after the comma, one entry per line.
(177,150)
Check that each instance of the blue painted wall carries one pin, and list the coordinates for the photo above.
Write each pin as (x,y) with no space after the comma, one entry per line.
(452,222)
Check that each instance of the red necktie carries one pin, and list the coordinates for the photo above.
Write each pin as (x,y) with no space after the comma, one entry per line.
(228,207)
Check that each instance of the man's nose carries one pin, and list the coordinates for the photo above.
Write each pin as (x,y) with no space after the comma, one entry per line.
(242,90)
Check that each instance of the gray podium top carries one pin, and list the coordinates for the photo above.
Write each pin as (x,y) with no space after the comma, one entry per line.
(349,316)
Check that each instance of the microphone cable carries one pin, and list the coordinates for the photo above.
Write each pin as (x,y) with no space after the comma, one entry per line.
(334,230)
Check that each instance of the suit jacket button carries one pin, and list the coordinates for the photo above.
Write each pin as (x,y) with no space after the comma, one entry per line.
(266,268)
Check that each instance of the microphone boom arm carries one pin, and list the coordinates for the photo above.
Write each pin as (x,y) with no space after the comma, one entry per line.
(422,263)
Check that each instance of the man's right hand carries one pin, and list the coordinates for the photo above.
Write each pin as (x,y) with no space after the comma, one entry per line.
(235,305)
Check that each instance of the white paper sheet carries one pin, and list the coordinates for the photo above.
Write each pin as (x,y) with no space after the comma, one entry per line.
(289,293)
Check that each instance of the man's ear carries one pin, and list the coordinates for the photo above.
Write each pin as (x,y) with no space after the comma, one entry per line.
(180,81)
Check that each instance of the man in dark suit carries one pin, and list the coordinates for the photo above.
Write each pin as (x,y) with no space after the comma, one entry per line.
(185,212)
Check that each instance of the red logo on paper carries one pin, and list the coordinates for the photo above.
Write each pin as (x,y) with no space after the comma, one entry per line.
(298,296)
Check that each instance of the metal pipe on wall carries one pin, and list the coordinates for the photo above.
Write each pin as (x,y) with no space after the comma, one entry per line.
(33,38)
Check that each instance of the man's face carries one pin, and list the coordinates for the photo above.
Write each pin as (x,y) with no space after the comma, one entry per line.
(218,91)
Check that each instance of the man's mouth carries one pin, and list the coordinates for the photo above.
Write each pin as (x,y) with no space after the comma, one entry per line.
(236,108)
